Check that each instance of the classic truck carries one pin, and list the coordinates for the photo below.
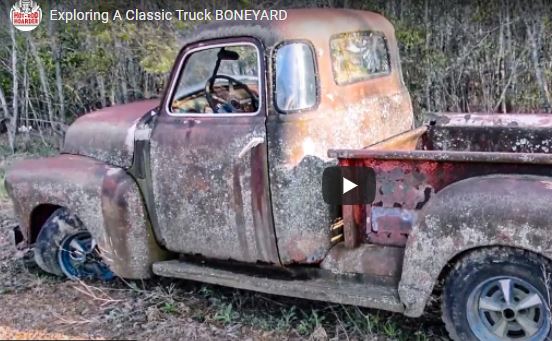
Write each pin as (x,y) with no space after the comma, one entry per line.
(219,181)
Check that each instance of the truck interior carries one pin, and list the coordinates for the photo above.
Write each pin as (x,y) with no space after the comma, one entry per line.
(219,80)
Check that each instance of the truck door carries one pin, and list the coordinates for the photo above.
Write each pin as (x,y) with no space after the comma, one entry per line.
(209,157)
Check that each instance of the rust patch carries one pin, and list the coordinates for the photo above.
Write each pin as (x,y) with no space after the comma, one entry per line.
(107,134)
(375,260)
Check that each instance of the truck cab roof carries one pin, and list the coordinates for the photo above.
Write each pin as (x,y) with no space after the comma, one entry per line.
(318,28)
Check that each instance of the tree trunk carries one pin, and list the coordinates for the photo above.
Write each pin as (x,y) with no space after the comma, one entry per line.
(101,87)
(56,51)
(43,83)
(4,105)
(537,68)
(427,85)
(12,129)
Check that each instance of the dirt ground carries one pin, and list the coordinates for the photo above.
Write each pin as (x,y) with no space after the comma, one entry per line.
(34,305)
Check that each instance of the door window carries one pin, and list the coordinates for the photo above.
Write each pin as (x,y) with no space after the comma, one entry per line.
(219,80)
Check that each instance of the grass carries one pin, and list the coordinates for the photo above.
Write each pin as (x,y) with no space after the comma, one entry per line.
(165,301)
(286,317)
(3,192)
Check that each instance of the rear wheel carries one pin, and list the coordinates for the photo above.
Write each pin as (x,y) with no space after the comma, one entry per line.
(498,294)
(65,248)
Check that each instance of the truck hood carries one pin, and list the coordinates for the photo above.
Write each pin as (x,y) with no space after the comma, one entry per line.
(107,134)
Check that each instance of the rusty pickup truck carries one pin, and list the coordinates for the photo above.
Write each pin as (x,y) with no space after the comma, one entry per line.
(219,181)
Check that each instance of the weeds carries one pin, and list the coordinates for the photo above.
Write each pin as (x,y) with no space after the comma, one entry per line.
(226,313)
(163,299)
(3,192)
(169,308)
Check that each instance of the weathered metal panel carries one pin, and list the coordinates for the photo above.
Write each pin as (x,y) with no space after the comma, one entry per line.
(209,175)
(509,210)
(374,260)
(210,200)
(389,225)
(107,134)
(105,199)
(127,227)
(519,120)
(489,139)
(328,288)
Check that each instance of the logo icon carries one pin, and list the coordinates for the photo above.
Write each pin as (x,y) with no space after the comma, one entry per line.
(26,15)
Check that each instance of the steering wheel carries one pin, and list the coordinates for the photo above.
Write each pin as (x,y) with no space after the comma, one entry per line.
(219,104)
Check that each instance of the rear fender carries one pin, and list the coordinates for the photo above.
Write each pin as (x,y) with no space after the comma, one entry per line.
(106,199)
(505,210)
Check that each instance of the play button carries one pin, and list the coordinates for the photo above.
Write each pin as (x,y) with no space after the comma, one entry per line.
(348,185)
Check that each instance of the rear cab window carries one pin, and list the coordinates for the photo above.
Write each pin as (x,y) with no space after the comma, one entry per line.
(358,56)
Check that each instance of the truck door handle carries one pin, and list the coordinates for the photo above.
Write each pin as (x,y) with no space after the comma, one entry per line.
(252,144)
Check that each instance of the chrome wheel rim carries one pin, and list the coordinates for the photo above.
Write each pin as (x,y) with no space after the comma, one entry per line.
(508,308)
(79,258)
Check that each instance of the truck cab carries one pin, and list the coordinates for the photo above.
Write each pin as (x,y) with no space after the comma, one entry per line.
(242,133)
(220,179)
(228,163)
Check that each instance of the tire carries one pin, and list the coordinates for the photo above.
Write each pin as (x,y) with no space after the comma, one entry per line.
(54,250)
(473,300)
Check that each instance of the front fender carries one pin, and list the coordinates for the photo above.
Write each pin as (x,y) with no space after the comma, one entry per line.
(106,199)
(507,210)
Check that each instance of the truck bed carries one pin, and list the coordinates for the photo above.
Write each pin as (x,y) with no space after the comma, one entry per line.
(512,138)
(413,166)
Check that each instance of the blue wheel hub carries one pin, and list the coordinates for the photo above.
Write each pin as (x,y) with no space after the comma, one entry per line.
(79,258)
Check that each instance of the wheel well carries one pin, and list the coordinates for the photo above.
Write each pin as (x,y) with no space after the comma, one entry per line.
(456,258)
(435,296)
(38,217)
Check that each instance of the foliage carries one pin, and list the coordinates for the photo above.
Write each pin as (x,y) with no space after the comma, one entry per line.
(456,56)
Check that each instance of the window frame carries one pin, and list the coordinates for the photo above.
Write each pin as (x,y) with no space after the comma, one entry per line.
(369,76)
(206,45)
(273,56)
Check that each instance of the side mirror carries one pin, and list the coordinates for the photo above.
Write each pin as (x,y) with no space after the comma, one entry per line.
(227,55)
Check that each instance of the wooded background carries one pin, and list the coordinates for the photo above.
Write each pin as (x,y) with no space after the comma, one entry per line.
(468,56)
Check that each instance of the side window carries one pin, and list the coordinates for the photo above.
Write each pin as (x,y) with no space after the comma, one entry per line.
(295,71)
(359,56)
(219,80)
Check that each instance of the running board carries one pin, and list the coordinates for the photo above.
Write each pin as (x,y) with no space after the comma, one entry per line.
(321,289)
